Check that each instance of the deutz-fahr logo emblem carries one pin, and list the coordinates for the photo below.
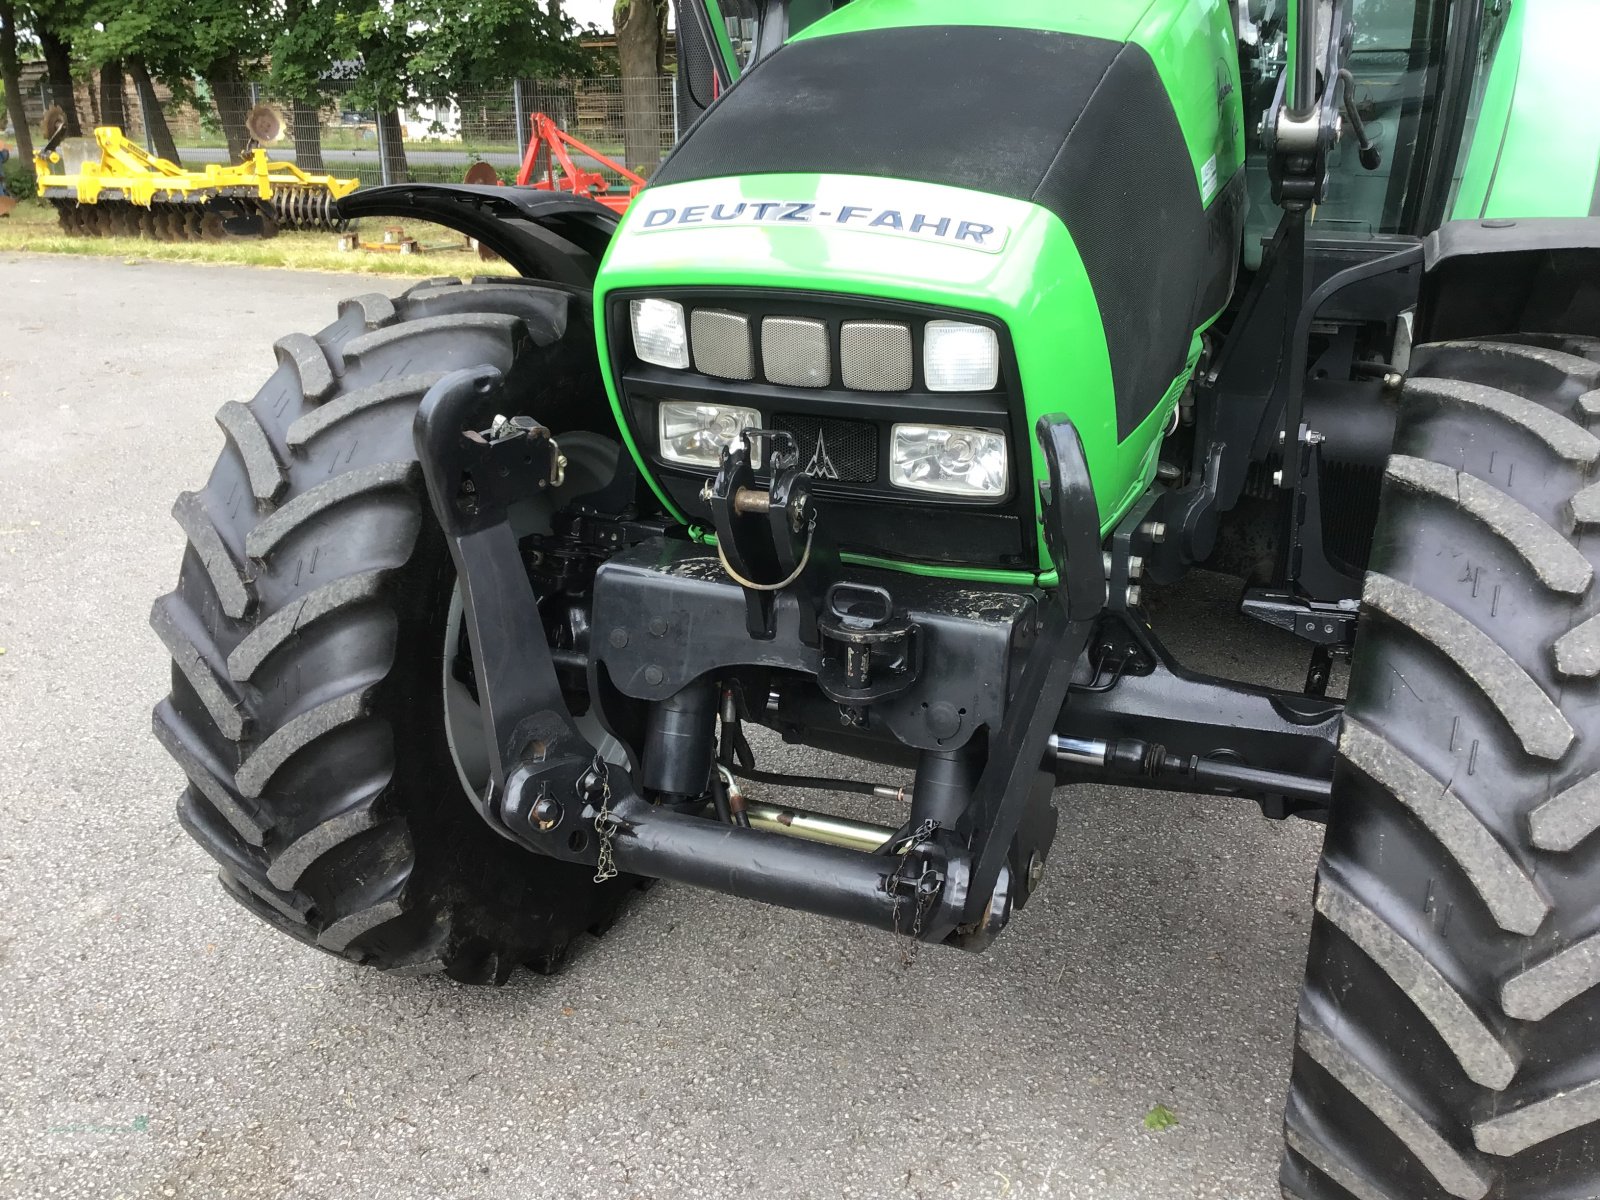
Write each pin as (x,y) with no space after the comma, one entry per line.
(821,466)
(960,229)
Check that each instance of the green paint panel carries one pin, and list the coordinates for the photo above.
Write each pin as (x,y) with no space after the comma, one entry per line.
(1113,19)
(1536,148)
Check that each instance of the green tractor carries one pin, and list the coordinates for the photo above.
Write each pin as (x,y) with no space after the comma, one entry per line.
(946,333)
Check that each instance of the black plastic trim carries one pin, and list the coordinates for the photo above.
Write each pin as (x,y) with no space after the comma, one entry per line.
(544,235)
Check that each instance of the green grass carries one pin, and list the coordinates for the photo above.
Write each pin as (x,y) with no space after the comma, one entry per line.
(33,227)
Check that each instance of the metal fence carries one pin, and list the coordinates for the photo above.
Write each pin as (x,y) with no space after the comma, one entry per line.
(633,121)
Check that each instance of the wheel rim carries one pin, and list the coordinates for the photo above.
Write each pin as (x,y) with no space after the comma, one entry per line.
(591,461)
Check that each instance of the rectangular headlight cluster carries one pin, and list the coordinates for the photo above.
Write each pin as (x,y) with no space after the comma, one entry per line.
(696,434)
(795,351)
(953,460)
(874,356)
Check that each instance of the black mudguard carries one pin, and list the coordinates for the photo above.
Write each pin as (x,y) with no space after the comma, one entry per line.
(1485,277)
(545,235)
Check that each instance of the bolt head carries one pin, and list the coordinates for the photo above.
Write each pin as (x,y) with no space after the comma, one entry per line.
(1135,566)
(1277,479)
(546,813)
(653,675)
(1133,595)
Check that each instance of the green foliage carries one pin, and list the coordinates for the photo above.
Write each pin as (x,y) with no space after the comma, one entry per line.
(177,39)
(408,49)
(303,50)
(19,176)
(1160,1117)
(431,49)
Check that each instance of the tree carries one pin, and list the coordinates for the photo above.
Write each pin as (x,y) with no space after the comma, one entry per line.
(56,46)
(10,79)
(302,57)
(433,50)
(153,118)
(641,51)
(222,42)
(112,82)
(138,35)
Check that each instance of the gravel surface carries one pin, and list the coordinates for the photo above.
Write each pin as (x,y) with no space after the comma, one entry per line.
(155,1040)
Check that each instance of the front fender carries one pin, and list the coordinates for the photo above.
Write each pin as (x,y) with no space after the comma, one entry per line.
(543,234)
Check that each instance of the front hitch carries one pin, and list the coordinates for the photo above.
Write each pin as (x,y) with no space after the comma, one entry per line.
(550,790)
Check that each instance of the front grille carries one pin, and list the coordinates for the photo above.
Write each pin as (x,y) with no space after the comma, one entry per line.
(794,352)
(721,343)
(846,451)
(875,356)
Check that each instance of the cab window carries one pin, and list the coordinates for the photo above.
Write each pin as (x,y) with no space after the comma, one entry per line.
(1395,61)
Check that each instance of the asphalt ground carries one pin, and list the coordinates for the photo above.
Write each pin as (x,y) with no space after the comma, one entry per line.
(156,1040)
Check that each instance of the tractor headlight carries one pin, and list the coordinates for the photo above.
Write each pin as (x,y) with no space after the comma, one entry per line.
(696,434)
(659,335)
(960,357)
(952,459)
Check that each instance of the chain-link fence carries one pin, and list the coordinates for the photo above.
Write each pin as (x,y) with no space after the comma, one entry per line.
(633,121)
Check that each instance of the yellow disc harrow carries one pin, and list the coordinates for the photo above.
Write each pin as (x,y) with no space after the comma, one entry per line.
(108,186)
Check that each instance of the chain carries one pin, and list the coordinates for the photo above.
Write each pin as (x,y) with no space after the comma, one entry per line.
(926,887)
(605,824)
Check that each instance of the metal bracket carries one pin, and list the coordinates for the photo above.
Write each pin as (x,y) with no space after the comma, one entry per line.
(1009,782)
(767,538)
(1308,568)
(473,477)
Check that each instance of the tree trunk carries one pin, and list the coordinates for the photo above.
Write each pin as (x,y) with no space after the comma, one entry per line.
(151,113)
(305,122)
(394,147)
(232,98)
(640,50)
(9,79)
(58,69)
(112,109)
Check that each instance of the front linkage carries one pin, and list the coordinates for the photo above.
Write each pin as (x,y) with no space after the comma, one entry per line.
(925,669)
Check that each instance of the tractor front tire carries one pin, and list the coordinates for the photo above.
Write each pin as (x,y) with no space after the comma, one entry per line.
(308,633)
(1448,1038)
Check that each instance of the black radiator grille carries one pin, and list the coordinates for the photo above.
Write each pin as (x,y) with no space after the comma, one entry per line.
(829,449)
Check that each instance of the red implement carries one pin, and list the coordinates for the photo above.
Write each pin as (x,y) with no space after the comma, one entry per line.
(554,143)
